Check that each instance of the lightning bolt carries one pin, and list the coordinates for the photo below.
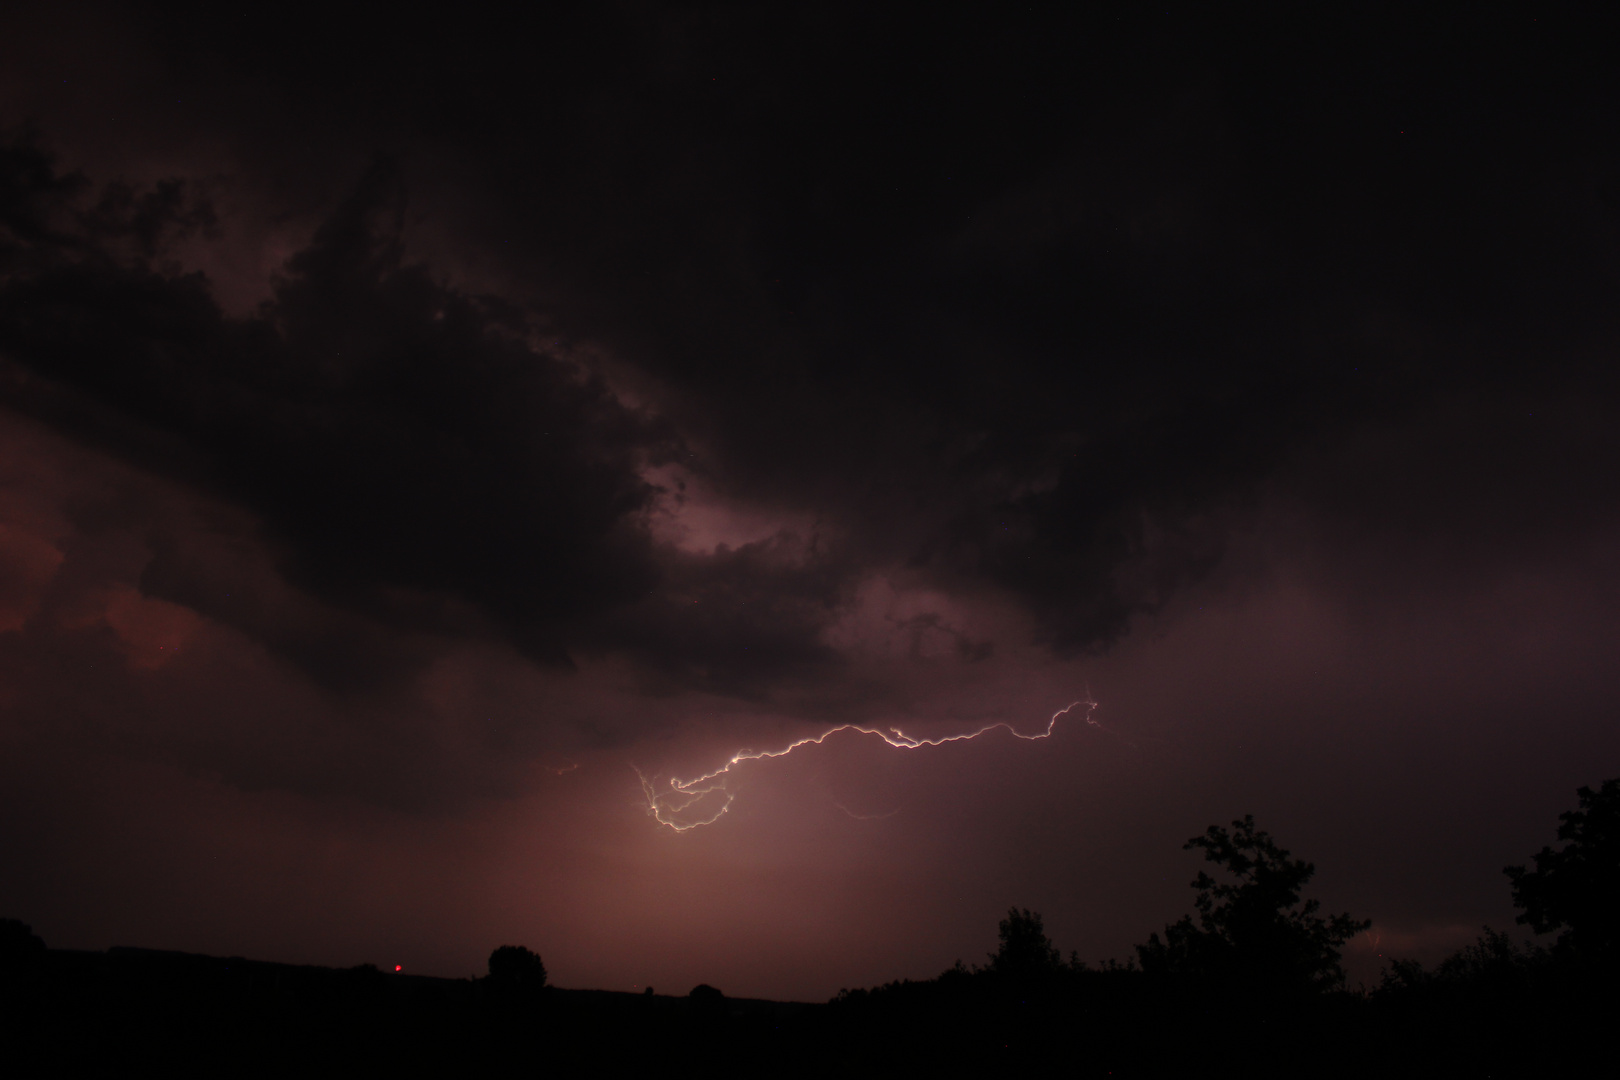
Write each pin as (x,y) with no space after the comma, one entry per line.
(667,805)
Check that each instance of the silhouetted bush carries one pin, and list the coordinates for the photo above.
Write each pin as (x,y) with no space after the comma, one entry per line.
(514,969)
(707,1001)
(1494,960)
(19,945)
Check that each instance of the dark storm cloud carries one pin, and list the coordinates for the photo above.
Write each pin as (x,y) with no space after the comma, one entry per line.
(740,619)
(406,444)
(1037,303)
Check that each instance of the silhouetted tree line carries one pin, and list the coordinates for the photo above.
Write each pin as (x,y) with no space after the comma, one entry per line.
(1249,983)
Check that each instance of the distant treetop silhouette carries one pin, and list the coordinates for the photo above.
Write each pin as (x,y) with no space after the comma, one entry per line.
(1025,949)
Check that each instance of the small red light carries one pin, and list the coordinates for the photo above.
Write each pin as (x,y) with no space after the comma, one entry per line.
(397,968)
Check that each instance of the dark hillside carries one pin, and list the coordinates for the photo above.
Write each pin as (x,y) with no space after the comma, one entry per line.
(70,1013)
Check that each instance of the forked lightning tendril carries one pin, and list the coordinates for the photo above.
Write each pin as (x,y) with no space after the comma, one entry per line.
(668,806)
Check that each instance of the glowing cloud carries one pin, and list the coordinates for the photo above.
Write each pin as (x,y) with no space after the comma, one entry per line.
(667,805)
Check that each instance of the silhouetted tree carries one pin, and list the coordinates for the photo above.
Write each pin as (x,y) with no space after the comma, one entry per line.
(1253,932)
(1025,949)
(1576,888)
(513,969)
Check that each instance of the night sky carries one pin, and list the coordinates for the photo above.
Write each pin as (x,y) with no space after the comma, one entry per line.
(413,427)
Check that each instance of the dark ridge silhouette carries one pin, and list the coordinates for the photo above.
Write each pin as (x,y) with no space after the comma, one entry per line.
(1249,984)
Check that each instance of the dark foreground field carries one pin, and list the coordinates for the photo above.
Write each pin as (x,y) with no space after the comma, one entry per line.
(104,1013)
(126,1010)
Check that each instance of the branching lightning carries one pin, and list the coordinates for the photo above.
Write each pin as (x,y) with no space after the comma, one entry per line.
(668,805)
